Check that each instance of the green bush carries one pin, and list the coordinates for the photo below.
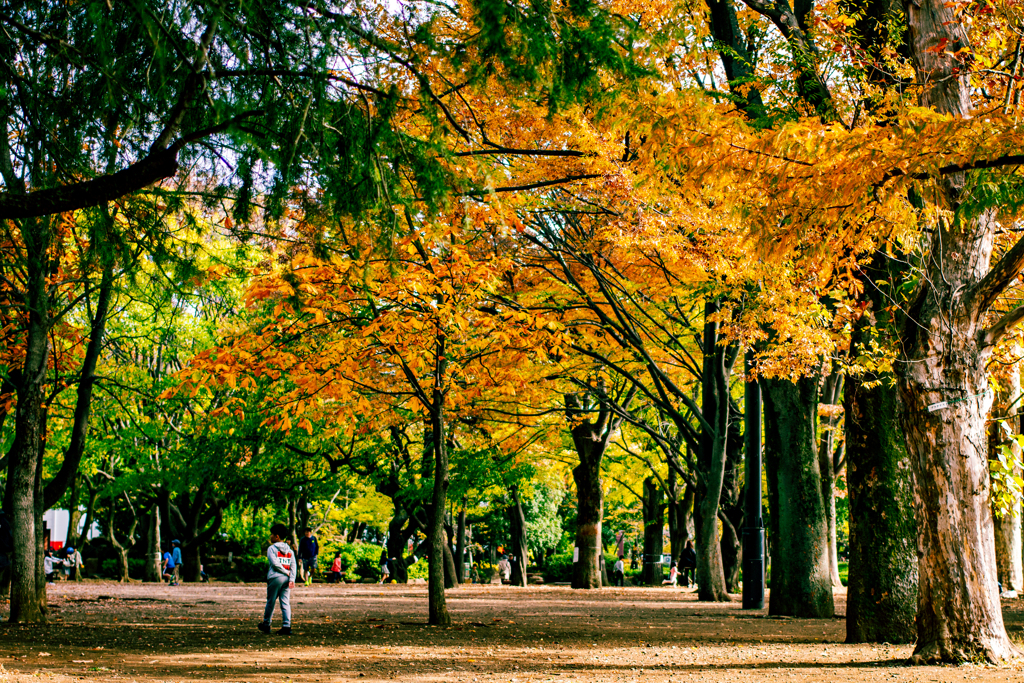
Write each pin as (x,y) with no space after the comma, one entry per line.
(358,560)
(558,567)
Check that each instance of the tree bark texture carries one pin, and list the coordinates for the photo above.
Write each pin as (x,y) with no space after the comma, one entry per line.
(590,440)
(654,526)
(944,346)
(517,529)
(800,581)
(438,607)
(730,507)
(460,547)
(882,586)
(586,572)
(26,454)
(151,571)
(1008,527)
(712,456)
(831,391)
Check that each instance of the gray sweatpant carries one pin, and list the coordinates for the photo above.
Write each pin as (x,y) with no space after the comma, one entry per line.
(277,589)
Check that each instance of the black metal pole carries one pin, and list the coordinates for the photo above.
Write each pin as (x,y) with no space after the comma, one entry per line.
(753,531)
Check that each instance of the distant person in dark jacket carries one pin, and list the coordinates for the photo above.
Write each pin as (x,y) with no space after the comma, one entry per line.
(309,550)
(688,564)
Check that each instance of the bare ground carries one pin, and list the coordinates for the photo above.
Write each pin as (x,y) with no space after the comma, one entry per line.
(107,631)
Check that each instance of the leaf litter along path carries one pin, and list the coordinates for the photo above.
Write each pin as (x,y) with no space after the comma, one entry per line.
(145,632)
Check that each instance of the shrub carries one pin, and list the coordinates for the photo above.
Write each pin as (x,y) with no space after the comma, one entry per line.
(558,568)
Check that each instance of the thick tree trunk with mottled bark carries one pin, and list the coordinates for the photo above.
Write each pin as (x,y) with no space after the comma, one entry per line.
(882,587)
(654,526)
(944,346)
(801,585)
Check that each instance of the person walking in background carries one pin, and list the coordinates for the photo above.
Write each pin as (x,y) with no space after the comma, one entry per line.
(48,566)
(167,571)
(335,576)
(673,576)
(385,571)
(619,572)
(72,564)
(688,563)
(280,580)
(176,558)
(309,549)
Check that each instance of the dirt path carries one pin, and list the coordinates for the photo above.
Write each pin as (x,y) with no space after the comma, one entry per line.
(105,631)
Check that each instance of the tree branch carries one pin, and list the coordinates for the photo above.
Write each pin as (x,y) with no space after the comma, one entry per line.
(992,335)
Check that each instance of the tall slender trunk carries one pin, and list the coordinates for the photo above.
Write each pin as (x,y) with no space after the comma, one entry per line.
(654,525)
(730,507)
(151,572)
(800,581)
(460,546)
(944,347)
(517,529)
(831,393)
(711,459)
(24,469)
(450,579)
(438,608)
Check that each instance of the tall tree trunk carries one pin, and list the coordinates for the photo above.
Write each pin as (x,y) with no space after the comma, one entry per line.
(730,508)
(944,346)
(399,532)
(712,456)
(24,475)
(590,440)
(1008,526)
(586,571)
(882,585)
(800,581)
(151,572)
(438,608)
(460,546)
(517,528)
(654,527)
(831,392)
(450,579)
(680,518)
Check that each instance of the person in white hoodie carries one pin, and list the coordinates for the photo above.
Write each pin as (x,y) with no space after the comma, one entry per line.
(280,580)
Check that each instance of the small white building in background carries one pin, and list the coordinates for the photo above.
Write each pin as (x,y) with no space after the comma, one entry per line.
(57,522)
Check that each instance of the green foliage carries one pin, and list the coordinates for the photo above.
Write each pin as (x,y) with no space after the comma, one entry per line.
(358,560)
(558,567)
(1005,470)
(543,525)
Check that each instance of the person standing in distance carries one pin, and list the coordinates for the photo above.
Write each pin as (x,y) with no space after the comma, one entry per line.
(309,550)
(280,580)
(176,559)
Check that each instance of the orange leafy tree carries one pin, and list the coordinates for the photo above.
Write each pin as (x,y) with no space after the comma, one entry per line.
(359,342)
